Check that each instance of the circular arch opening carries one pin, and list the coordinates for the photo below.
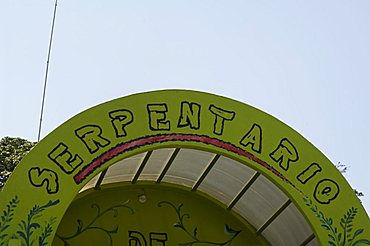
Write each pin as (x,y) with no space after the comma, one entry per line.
(262,213)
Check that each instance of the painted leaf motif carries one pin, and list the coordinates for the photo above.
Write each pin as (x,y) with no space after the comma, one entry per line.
(195,232)
(38,215)
(4,228)
(21,234)
(52,203)
(80,225)
(34,225)
(332,237)
(230,231)
(179,208)
(114,230)
(358,232)
(305,199)
(41,243)
(362,241)
(325,227)
(332,244)
(23,225)
(330,221)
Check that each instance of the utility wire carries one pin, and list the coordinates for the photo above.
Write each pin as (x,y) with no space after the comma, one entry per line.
(47,70)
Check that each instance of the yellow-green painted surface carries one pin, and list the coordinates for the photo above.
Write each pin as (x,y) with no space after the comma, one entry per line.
(47,180)
(150,215)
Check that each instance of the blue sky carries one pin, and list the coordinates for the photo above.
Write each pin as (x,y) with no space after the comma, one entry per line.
(305,62)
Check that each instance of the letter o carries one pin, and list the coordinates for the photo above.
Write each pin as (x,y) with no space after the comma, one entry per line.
(326,190)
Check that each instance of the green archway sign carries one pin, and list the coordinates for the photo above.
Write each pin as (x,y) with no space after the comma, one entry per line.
(48,179)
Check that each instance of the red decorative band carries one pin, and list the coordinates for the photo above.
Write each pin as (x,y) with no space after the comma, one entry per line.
(148,140)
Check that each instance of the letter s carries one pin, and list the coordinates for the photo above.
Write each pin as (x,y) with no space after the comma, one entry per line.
(39,177)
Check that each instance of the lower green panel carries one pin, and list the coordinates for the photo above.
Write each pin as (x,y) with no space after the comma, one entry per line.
(143,215)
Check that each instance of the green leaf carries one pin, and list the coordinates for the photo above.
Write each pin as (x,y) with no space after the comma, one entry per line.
(179,208)
(80,225)
(361,241)
(195,232)
(52,203)
(21,234)
(330,221)
(332,244)
(305,199)
(23,225)
(34,225)
(177,225)
(332,237)
(325,227)
(230,231)
(4,228)
(358,232)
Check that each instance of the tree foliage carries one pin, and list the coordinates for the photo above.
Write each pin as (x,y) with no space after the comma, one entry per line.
(12,150)
(343,169)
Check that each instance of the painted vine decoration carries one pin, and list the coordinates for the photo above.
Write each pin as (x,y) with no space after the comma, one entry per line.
(6,218)
(81,228)
(194,234)
(344,236)
(28,227)
(48,229)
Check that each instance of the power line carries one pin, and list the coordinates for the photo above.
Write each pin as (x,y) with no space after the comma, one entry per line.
(47,70)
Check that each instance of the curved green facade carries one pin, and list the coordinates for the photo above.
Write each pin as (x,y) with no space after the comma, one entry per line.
(54,172)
